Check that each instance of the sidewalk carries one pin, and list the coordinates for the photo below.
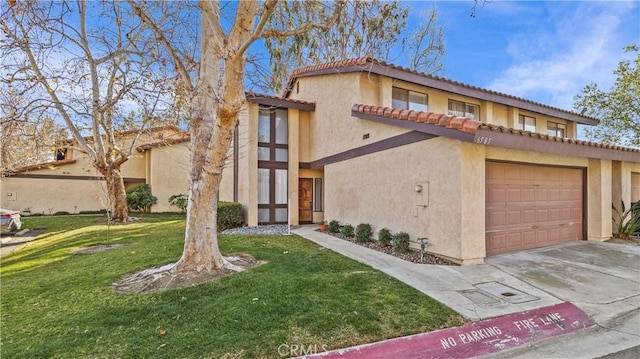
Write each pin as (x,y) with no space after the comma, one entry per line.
(450,285)
(607,326)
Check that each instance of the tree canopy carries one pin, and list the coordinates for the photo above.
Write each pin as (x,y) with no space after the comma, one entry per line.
(364,28)
(87,65)
(619,108)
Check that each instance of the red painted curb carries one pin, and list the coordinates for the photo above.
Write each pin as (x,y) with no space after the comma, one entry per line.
(479,338)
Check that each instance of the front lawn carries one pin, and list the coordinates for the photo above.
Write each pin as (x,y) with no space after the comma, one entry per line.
(58,304)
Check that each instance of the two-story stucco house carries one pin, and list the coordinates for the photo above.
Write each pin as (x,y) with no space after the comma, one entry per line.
(477,172)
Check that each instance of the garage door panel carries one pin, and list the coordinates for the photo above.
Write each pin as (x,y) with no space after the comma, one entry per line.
(543,206)
(496,195)
(528,239)
(542,195)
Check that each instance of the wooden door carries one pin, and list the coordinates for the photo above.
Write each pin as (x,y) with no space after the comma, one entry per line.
(305,204)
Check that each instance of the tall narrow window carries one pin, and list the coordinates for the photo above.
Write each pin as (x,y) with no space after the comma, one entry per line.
(527,123)
(317,194)
(409,100)
(273,157)
(556,129)
(463,109)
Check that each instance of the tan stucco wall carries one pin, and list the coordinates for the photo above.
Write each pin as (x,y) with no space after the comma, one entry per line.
(169,174)
(293,167)
(248,163)
(331,127)
(48,196)
(379,189)
(599,210)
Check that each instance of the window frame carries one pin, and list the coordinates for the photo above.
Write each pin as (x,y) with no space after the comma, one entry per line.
(318,193)
(557,127)
(407,100)
(466,105)
(272,165)
(522,123)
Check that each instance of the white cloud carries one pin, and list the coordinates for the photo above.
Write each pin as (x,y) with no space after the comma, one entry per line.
(576,44)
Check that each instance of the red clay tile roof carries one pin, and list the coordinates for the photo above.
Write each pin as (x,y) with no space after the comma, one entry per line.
(131,132)
(184,137)
(259,98)
(482,130)
(368,64)
(40,166)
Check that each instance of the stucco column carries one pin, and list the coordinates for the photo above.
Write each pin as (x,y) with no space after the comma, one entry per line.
(472,211)
(248,164)
(599,200)
(294,154)
(512,117)
(385,92)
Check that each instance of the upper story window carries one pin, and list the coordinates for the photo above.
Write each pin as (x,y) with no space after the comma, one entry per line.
(409,100)
(527,123)
(463,109)
(556,129)
(61,154)
(273,135)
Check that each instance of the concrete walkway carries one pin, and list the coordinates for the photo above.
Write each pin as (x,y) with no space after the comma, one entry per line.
(602,279)
(454,286)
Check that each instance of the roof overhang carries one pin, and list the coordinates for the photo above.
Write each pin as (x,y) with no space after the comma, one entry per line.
(469,130)
(274,101)
(369,65)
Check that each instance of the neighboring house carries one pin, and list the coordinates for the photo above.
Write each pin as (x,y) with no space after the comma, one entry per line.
(71,183)
(476,172)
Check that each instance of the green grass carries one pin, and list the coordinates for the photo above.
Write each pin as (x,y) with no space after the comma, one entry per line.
(56,304)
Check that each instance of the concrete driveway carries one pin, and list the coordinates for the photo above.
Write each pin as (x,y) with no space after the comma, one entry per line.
(603,279)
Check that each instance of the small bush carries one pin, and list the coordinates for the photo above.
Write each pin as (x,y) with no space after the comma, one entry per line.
(61,213)
(401,242)
(363,232)
(626,220)
(385,237)
(102,211)
(334,226)
(347,231)
(179,200)
(139,197)
(229,215)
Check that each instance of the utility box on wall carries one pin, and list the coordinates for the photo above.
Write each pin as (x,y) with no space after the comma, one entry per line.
(421,190)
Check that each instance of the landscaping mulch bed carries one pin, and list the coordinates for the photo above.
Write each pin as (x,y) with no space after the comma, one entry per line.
(411,256)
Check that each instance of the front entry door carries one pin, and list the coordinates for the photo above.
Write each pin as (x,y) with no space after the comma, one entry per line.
(305,195)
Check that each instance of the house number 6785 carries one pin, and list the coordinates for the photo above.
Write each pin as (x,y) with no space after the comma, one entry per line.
(483,140)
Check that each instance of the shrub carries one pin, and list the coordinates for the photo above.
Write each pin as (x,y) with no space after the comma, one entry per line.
(385,237)
(139,197)
(179,200)
(626,220)
(229,215)
(401,242)
(101,211)
(363,232)
(334,226)
(347,231)
(61,213)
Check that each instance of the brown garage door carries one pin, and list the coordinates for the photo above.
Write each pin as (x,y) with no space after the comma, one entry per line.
(531,206)
(635,187)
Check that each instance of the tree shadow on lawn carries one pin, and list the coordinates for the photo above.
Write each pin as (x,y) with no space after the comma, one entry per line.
(59,245)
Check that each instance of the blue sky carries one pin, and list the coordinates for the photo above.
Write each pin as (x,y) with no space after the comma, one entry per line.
(545,51)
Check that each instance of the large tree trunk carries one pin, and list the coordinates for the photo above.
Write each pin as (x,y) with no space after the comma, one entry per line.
(117,195)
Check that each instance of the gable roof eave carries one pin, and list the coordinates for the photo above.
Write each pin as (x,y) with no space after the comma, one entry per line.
(371,65)
(469,130)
